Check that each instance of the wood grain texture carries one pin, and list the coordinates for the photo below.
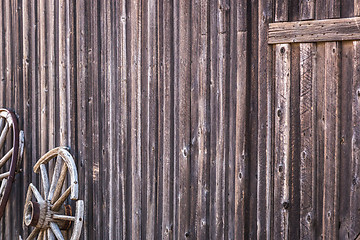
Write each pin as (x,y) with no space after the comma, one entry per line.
(282,141)
(340,29)
(265,120)
(170,109)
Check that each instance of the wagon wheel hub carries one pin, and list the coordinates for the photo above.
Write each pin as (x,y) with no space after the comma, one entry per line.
(45,211)
(39,215)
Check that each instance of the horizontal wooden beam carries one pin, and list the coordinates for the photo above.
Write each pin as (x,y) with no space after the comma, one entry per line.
(340,29)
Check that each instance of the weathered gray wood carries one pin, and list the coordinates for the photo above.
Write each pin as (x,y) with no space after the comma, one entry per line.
(43,75)
(202,218)
(346,133)
(354,218)
(282,141)
(151,84)
(307,130)
(213,113)
(183,122)
(5,158)
(113,71)
(308,140)
(331,144)
(265,120)
(44,180)
(195,28)
(241,165)
(315,31)
(135,34)
(123,131)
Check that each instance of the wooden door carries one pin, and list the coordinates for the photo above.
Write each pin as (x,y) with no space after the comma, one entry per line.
(316,132)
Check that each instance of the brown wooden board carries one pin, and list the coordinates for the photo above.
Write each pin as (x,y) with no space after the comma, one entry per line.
(339,29)
(170,109)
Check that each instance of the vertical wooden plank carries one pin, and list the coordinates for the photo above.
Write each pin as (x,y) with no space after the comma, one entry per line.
(307,9)
(214,114)
(63,65)
(194,113)
(332,9)
(281,10)
(294,209)
(135,96)
(307,129)
(330,203)
(99,67)
(183,124)
(346,130)
(144,114)
(2,56)
(161,194)
(203,181)
(27,100)
(125,102)
(71,74)
(251,222)
(345,118)
(331,144)
(241,154)
(84,154)
(176,117)
(221,157)
(44,67)
(265,121)
(282,130)
(308,140)
(167,67)
(232,88)
(9,68)
(50,88)
(151,121)
(241,192)
(354,219)
(282,142)
(116,198)
(14,102)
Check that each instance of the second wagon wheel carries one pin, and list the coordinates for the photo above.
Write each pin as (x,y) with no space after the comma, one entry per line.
(11,147)
(46,210)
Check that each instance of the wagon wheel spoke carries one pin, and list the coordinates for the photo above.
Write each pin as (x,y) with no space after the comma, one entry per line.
(44,179)
(4,175)
(50,234)
(33,234)
(2,187)
(56,230)
(37,194)
(5,158)
(55,178)
(11,159)
(63,217)
(4,134)
(61,200)
(59,184)
(49,213)
(41,235)
(2,122)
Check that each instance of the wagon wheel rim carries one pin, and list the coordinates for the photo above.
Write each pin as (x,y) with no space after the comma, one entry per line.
(8,123)
(48,214)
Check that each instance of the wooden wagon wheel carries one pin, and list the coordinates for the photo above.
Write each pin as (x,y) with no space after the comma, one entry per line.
(46,212)
(8,124)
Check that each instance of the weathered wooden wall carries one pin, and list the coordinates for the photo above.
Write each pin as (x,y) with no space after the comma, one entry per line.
(183,120)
